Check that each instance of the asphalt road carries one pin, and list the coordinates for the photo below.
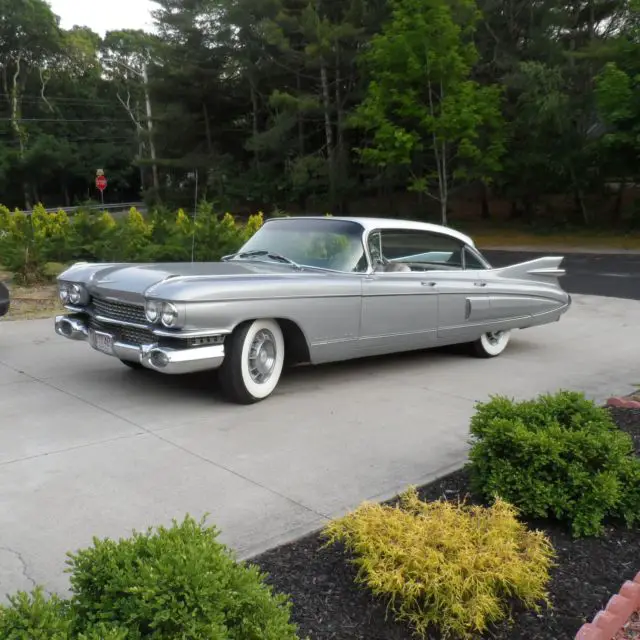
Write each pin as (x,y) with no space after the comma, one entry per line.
(89,447)
(611,275)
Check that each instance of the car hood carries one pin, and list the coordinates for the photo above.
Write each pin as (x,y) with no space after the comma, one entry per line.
(139,279)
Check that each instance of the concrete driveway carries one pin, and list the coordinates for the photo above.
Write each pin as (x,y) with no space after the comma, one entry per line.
(89,447)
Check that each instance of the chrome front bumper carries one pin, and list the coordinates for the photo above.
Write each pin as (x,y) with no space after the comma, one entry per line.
(151,356)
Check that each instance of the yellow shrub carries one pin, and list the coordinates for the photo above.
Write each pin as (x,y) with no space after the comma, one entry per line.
(106,221)
(5,219)
(253,224)
(183,222)
(446,565)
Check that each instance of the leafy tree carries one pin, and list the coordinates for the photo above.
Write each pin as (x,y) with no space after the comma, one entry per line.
(425,111)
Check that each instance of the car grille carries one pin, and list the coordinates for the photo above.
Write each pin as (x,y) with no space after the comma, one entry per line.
(130,335)
(120,311)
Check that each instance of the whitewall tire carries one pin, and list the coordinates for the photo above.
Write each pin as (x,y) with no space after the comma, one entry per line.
(491,344)
(253,362)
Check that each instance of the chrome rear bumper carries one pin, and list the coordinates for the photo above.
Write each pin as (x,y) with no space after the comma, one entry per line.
(151,356)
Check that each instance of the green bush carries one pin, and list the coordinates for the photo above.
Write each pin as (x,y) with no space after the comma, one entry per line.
(557,456)
(33,617)
(27,243)
(176,582)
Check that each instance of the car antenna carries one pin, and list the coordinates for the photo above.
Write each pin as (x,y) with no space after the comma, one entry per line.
(195,215)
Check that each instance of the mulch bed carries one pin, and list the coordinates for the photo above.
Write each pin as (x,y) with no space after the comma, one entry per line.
(327,604)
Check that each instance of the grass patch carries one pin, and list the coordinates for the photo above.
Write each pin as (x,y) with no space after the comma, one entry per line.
(33,302)
(493,235)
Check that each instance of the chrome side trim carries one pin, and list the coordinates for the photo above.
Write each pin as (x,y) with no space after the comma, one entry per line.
(194,333)
(547,272)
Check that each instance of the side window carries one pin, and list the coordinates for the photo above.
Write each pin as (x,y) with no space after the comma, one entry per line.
(421,248)
(471,261)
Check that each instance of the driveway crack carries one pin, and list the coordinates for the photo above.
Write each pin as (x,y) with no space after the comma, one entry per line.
(23,564)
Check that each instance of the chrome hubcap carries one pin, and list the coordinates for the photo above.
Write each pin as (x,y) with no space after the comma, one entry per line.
(494,337)
(262,356)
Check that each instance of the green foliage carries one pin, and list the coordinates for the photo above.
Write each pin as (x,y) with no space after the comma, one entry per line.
(557,456)
(29,243)
(534,115)
(33,617)
(176,582)
(423,108)
(446,565)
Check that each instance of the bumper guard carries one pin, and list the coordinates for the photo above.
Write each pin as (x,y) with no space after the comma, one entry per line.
(151,356)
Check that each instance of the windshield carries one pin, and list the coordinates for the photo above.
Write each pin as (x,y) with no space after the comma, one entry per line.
(322,243)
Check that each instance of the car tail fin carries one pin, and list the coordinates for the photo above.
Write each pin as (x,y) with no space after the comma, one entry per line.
(541,269)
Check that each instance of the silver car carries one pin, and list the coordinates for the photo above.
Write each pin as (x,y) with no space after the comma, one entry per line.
(308,290)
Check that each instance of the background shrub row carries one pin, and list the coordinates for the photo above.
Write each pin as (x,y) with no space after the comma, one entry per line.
(29,242)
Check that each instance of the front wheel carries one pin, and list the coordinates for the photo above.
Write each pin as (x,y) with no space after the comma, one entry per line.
(490,344)
(132,364)
(253,362)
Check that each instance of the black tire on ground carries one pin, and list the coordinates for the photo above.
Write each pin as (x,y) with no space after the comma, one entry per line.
(132,364)
(237,379)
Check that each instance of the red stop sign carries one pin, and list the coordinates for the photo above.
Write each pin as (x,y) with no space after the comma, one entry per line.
(101,183)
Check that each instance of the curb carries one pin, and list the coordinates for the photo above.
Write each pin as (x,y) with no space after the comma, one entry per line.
(609,621)
(623,403)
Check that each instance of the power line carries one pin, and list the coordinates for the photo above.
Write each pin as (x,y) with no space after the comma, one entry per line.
(80,101)
(103,120)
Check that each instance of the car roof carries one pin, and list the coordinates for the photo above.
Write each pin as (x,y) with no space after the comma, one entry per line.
(370,224)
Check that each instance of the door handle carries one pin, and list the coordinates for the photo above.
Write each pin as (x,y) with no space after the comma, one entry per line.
(426,283)
(480,284)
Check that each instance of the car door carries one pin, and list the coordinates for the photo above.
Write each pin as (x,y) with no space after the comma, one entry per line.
(399,309)
(465,300)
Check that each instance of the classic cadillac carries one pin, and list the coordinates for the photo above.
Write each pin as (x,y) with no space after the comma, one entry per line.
(308,290)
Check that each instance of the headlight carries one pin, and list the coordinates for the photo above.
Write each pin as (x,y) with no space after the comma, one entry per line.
(169,314)
(75,294)
(153,310)
(63,293)
(72,293)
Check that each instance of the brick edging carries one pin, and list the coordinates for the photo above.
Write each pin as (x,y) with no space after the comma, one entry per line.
(623,403)
(609,621)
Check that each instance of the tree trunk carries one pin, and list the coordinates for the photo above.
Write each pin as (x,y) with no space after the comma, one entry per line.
(326,101)
(300,120)
(207,127)
(616,212)
(341,161)
(17,129)
(152,146)
(485,213)
(254,121)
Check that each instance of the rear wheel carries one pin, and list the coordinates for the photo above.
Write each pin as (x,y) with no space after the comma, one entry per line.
(490,344)
(253,362)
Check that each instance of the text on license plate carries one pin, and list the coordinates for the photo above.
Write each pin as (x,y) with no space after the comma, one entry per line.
(103,342)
